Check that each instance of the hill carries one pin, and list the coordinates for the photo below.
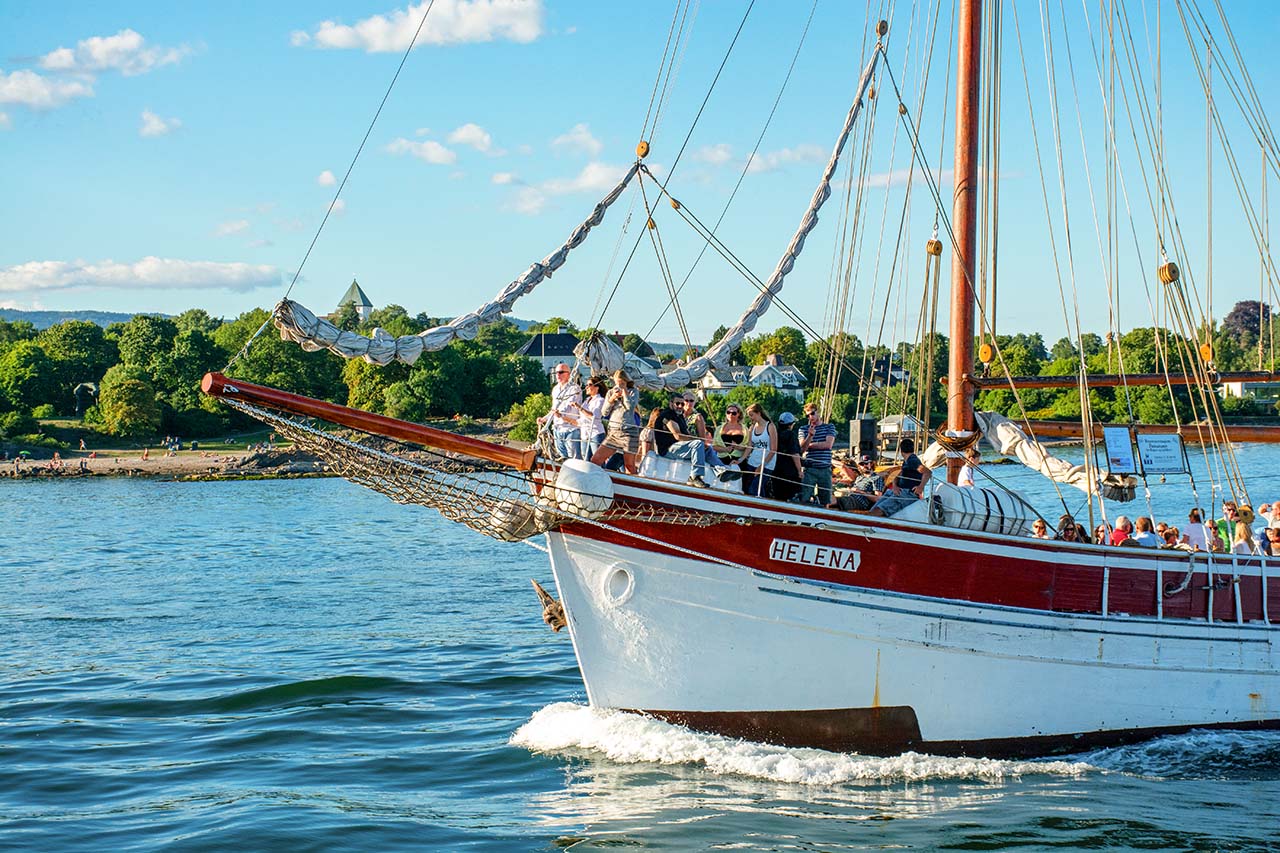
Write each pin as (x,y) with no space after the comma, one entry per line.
(44,319)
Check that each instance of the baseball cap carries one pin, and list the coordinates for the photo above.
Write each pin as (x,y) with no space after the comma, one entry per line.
(786,418)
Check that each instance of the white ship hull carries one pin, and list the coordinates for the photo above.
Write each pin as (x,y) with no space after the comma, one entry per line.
(754,652)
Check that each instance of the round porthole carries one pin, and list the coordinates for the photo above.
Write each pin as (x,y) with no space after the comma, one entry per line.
(619,583)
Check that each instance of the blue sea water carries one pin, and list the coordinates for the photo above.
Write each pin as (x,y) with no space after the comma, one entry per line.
(305,665)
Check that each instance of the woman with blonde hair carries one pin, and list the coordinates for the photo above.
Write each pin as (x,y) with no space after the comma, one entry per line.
(622,435)
(1243,542)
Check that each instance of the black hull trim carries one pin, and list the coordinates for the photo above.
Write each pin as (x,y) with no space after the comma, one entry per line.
(894,730)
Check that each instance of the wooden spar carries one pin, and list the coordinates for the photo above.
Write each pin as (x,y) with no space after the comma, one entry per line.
(964,224)
(1191,435)
(217,385)
(1111,380)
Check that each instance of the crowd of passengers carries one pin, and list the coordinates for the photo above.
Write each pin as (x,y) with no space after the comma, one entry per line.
(1238,531)
(789,459)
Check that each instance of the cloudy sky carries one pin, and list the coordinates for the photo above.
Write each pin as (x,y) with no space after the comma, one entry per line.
(158,157)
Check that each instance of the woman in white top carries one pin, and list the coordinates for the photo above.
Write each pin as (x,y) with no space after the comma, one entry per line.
(1195,533)
(1243,543)
(591,424)
(763,438)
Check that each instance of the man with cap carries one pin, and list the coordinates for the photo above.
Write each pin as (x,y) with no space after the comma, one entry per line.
(868,487)
(786,471)
(816,440)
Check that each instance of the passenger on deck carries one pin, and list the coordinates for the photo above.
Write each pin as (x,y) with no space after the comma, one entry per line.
(914,475)
(1068,530)
(562,415)
(763,437)
(1145,535)
(972,459)
(816,441)
(697,423)
(1123,531)
(590,422)
(868,487)
(1040,529)
(622,435)
(1102,534)
(675,441)
(1227,524)
(1272,546)
(648,434)
(1196,533)
(1242,542)
(730,438)
(786,469)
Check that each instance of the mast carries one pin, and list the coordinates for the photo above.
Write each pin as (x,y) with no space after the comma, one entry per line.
(964,227)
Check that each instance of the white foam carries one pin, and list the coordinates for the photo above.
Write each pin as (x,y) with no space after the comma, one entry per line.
(631,738)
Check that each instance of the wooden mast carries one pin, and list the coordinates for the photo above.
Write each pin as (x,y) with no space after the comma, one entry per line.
(964,225)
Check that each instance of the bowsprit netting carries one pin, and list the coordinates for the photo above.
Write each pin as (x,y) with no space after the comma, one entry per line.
(491,499)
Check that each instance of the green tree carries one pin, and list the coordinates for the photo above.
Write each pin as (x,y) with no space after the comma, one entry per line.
(633,343)
(281,364)
(145,339)
(348,318)
(524,416)
(28,377)
(12,331)
(128,405)
(552,326)
(394,319)
(196,320)
(81,352)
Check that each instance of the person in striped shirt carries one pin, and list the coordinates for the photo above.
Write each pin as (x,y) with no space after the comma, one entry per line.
(816,440)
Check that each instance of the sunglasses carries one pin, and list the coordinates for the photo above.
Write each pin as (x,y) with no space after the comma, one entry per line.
(733,412)
(561,372)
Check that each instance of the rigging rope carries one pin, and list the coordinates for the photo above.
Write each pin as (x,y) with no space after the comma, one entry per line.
(338,193)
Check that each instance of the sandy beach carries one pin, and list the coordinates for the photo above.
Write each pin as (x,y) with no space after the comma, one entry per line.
(183,465)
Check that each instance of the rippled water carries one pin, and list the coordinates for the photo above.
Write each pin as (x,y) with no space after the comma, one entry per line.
(304,665)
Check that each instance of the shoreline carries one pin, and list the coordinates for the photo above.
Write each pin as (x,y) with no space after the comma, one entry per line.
(187,466)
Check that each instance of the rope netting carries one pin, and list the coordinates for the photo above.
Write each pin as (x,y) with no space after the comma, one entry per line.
(492,499)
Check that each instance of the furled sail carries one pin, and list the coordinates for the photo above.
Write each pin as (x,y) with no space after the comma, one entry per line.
(606,356)
(298,324)
(1009,439)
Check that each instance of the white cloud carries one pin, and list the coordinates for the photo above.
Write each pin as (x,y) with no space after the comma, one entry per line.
(235,226)
(5,122)
(39,92)
(713,155)
(150,273)
(594,177)
(529,201)
(578,140)
(260,243)
(422,131)
(154,125)
(339,207)
(504,178)
(775,160)
(450,22)
(474,136)
(126,52)
(429,150)
(326,179)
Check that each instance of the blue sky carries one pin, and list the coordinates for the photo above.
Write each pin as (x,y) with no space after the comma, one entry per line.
(160,156)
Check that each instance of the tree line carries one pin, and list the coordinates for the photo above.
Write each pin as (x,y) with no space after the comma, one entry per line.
(140,378)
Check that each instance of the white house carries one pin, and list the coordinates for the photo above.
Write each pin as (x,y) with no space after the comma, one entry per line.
(786,378)
(550,349)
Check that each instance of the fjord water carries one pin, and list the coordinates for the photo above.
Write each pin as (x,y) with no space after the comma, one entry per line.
(305,665)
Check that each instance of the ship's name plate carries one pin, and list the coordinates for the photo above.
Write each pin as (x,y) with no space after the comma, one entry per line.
(808,554)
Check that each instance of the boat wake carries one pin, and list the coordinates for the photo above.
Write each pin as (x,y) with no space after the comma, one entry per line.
(1196,755)
(568,728)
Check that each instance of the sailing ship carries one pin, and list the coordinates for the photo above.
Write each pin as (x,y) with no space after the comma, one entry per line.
(942,629)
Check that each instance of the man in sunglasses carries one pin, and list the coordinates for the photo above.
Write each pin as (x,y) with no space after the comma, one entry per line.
(565,396)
